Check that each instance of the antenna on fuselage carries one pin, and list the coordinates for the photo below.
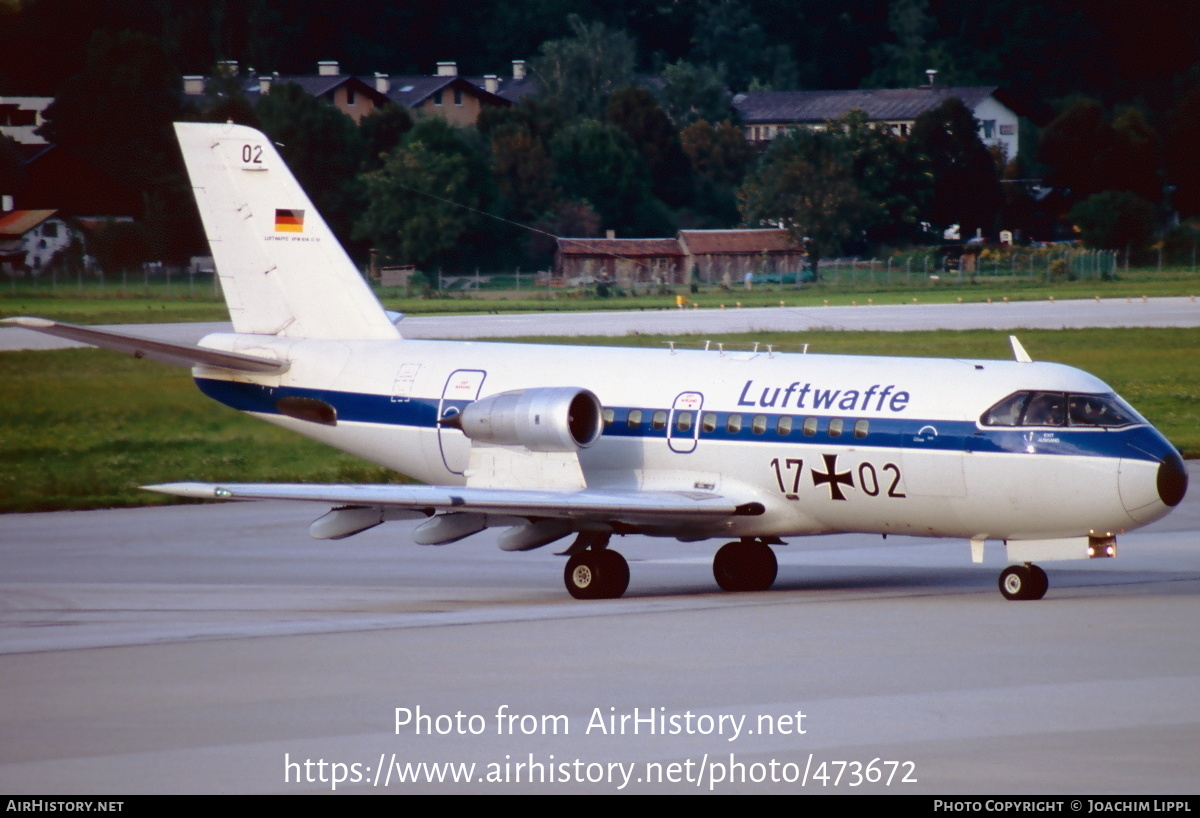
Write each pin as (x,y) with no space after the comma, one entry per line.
(1019,351)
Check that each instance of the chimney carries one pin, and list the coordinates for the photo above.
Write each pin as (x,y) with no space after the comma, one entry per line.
(328,68)
(382,84)
(932,74)
(610,234)
(447,69)
(264,85)
(193,85)
(518,69)
(491,83)
(6,203)
(228,67)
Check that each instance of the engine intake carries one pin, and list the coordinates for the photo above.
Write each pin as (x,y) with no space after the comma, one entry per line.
(548,419)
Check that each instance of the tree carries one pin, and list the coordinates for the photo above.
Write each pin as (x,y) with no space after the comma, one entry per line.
(719,156)
(903,62)
(719,152)
(1134,161)
(805,184)
(569,218)
(382,130)
(1182,158)
(225,99)
(889,172)
(582,70)
(694,92)
(524,174)
(598,163)
(966,185)
(121,245)
(12,167)
(1086,155)
(321,145)
(413,211)
(729,37)
(635,112)
(1114,220)
(116,114)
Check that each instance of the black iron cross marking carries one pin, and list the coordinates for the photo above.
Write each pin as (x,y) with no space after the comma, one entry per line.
(833,478)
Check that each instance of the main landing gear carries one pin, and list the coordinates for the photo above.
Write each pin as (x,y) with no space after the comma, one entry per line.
(745,565)
(1026,581)
(595,572)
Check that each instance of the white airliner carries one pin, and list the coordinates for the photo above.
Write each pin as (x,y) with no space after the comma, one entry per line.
(553,441)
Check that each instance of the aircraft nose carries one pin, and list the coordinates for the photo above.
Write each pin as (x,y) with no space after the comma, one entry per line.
(1172,479)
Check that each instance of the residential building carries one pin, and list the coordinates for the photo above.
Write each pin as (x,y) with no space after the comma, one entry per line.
(30,238)
(766,114)
(445,94)
(20,117)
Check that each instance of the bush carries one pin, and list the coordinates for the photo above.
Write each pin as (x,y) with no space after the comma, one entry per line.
(1114,220)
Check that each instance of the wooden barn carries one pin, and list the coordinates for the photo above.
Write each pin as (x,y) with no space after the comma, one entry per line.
(725,256)
(625,262)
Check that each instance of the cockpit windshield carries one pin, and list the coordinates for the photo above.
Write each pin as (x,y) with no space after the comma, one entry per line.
(1061,409)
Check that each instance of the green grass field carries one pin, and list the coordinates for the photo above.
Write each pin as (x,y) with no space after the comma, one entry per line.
(84,428)
(155,303)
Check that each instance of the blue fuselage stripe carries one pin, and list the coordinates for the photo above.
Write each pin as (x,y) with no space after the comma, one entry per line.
(1138,442)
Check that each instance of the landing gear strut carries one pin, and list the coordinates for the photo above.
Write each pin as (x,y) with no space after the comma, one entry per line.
(596,573)
(1026,581)
(745,565)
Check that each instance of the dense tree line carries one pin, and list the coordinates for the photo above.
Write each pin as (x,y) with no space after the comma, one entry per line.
(1116,93)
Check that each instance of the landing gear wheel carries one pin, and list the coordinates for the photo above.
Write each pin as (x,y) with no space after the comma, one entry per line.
(1023,582)
(745,566)
(600,574)
(1041,582)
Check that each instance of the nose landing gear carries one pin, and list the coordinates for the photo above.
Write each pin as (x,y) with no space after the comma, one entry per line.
(1026,581)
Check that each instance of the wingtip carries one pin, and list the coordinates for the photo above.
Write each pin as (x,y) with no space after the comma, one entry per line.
(202,491)
(28,321)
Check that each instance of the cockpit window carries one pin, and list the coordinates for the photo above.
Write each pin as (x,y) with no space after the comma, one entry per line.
(1099,410)
(1060,409)
(1007,412)
(1046,409)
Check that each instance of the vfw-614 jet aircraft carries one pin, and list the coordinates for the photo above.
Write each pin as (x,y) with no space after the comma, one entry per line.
(550,442)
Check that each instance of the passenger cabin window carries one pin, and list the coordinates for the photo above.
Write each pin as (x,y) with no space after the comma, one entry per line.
(609,416)
(759,424)
(659,420)
(709,422)
(734,424)
(809,427)
(835,427)
(860,428)
(1060,409)
(784,426)
(683,421)
(635,418)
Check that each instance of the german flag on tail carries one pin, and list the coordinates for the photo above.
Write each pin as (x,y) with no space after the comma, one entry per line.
(289,221)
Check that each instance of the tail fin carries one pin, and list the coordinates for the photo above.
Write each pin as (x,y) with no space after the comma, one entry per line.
(282,270)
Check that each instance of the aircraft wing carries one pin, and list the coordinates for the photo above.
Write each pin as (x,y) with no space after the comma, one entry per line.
(139,347)
(587,504)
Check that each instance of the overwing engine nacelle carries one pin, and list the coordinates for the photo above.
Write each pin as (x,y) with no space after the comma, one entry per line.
(547,419)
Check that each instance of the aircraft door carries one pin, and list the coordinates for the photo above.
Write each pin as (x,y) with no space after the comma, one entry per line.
(462,387)
(683,427)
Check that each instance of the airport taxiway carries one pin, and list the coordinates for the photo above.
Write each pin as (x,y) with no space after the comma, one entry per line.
(203,648)
(1108,312)
(216,648)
